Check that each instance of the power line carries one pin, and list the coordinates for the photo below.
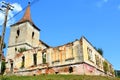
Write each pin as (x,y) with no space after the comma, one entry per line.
(33,2)
(7,7)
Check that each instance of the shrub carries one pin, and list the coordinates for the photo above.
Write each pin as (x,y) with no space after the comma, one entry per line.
(105,66)
(22,50)
(3,67)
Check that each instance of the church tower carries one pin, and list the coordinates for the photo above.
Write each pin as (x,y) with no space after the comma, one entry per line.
(23,35)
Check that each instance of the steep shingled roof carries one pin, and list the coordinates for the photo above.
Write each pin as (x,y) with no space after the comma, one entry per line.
(27,18)
(27,15)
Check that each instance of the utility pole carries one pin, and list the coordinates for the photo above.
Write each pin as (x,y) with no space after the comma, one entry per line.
(7,7)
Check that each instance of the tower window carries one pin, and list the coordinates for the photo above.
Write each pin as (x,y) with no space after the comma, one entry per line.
(33,34)
(15,49)
(18,32)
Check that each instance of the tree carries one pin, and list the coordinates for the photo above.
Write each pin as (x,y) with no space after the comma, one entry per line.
(3,67)
(100,51)
(105,67)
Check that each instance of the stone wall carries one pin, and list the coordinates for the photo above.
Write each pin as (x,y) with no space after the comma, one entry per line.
(78,69)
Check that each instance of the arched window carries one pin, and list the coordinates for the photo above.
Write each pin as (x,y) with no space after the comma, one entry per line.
(11,68)
(35,59)
(23,62)
(15,49)
(90,54)
(18,32)
(33,34)
(70,69)
(44,58)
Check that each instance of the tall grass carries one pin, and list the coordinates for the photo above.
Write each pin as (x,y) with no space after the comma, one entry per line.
(57,77)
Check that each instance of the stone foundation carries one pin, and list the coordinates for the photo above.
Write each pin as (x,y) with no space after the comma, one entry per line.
(78,69)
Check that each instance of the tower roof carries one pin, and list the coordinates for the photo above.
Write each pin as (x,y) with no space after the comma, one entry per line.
(27,18)
(27,15)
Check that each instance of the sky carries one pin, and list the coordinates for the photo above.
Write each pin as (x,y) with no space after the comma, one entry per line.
(63,21)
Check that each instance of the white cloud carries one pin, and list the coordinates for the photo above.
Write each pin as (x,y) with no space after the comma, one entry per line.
(16,9)
(0,30)
(1,18)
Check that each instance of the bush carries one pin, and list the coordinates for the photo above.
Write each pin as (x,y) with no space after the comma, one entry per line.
(22,50)
(105,67)
(3,67)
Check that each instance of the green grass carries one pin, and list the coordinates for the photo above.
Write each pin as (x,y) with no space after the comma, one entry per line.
(57,77)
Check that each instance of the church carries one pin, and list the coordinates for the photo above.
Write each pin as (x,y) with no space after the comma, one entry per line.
(28,55)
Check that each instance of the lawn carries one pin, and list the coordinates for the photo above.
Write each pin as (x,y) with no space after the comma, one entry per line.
(57,77)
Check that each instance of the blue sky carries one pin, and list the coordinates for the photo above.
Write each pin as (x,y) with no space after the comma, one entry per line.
(63,21)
